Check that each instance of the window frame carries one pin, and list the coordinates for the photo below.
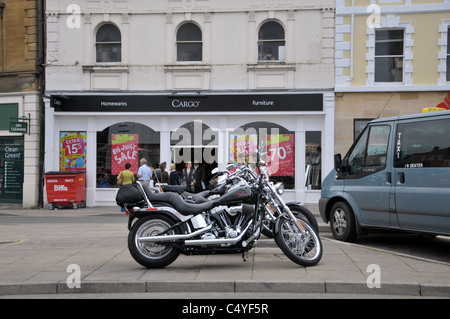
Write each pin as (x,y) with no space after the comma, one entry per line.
(188,42)
(118,43)
(262,41)
(394,56)
(448,55)
(365,137)
(425,156)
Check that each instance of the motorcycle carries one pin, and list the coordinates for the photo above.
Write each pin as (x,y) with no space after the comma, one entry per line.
(164,225)
(218,186)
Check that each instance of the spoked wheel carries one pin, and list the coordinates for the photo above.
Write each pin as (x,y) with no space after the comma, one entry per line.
(152,254)
(303,248)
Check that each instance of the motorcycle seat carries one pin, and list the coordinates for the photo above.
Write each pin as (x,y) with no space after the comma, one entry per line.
(197,198)
(173,188)
(177,202)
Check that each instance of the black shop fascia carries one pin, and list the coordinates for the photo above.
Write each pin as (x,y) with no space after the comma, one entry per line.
(299,102)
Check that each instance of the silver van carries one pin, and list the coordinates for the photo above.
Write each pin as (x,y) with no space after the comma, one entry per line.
(395,176)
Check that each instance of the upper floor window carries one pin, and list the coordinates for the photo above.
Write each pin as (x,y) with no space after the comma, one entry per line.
(271,42)
(108,44)
(389,55)
(189,43)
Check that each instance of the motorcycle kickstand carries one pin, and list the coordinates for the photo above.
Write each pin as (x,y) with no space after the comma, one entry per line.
(246,255)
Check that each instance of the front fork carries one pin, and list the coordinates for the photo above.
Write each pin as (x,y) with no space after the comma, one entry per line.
(287,211)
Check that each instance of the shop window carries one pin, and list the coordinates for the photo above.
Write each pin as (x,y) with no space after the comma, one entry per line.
(313,160)
(189,43)
(8,111)
(389,55)
(124,143)
(275,140)
(108,44)
(271,42)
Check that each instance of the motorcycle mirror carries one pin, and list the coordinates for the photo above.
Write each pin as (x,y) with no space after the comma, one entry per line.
(215,171)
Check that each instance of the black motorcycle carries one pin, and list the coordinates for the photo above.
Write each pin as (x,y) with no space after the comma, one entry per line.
(164,225)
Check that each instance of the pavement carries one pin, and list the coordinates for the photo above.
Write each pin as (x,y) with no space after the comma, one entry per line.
(90,256)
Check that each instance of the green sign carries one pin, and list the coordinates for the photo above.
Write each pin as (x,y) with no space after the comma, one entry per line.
(11,171)
(18,127)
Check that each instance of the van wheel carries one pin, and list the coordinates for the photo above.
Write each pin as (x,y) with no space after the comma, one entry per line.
(342,222)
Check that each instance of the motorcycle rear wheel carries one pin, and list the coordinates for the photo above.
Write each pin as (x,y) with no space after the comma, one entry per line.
(152,255)
(303,248)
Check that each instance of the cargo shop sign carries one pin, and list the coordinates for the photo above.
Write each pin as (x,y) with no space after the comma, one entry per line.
(124,149)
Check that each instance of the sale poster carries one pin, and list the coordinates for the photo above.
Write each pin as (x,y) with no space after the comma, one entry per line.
(72,151)
(280,154)
(242,146)
(124,149)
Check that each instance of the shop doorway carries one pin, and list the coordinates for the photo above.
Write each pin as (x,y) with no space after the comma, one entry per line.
(195,142)
(11,169)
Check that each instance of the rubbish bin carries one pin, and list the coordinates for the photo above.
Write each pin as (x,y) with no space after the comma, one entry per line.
(66,189)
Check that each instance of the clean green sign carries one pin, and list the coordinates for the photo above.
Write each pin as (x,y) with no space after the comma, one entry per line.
(11,172)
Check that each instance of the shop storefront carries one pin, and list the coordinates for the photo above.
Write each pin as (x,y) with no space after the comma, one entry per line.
(101,133)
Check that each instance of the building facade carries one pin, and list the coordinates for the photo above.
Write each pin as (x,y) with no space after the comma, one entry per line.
(199,80)
(392,58)
(20,102)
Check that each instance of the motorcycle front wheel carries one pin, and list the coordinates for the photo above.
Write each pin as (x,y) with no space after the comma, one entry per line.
(150,254)
(303,248)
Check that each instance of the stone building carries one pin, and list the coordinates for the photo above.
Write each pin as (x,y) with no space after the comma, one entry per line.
(185,80)
(392,58)
(20,103)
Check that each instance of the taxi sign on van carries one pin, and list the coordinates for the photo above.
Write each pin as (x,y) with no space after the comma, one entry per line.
(444,106)
(433,109)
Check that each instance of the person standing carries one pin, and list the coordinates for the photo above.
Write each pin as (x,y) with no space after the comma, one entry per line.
(174,177)
(187,177)
(144,173)
(126,176)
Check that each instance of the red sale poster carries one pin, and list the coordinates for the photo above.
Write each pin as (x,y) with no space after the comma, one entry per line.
(280,154)
(124,149)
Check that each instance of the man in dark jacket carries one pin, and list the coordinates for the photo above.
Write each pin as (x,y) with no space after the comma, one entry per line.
(200,176)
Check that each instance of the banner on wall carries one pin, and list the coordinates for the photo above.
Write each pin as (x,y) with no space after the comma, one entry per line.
(280,154)
(124,149)
(72,151)
(242,146)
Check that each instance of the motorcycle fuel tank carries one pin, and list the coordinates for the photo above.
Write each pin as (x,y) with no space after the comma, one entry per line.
(235,196)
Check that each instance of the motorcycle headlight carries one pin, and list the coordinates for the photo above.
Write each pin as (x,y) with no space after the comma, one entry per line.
(280,188)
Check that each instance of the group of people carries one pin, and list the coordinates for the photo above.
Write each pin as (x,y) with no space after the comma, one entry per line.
(192,177)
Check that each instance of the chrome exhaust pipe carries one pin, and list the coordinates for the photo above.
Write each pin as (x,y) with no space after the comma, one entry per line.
(173,237)
(220,241)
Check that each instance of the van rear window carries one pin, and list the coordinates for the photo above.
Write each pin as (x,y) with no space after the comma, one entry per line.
(423,144)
